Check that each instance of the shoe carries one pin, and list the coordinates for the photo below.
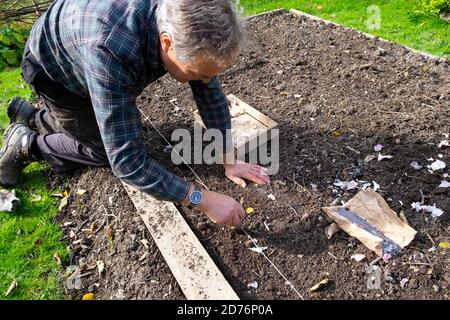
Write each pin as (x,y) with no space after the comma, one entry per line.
(20,111)
(15,153)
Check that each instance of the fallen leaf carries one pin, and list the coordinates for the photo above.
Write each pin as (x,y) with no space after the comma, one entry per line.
(402,217)
(63,203)
(81,192)
(358,257)
(258,249)
(336,133)
(36,198)
(57,258)
(109,232)
(100,267)
(57,195)
(416,165)
(444,245)
(88,296)
(249,211)
(319,285)
(370,157)
(11,287)
(331,230)
(381,157)
(92,228)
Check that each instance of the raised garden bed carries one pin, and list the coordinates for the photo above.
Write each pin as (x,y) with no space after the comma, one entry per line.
(335,94)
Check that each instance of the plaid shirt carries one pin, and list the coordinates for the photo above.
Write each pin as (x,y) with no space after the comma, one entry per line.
(108,50)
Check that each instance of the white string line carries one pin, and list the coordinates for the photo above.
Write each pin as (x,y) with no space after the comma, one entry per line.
(204,185)
(173,149)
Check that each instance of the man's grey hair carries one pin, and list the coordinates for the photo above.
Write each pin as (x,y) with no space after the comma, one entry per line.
(207,28)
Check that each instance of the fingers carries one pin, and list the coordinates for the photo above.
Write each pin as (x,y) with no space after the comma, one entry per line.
(241,212)
(238,181)
(238,215)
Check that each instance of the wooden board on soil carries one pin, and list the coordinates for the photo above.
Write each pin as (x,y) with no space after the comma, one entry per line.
(250,128)
(197,275)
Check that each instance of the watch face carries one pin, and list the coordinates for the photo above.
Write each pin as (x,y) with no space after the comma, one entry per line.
(196,197)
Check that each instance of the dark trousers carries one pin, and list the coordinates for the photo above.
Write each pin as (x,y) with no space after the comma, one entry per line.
(68,137)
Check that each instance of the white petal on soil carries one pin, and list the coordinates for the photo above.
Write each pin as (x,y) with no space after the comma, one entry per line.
(331,230)
(11,287)
(437,165)
(416,206)
(381,157)
(376,186)
(416,165)
(271,197)
(444,184)
(444,143)
(403,282)
(435,212)
(358,257)
(258,249)
(253,285)
(366,185)
(100,267)
(346,185)
(378,147)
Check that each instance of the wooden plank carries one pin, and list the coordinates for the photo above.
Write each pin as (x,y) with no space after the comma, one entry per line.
(265,134)
(196,273)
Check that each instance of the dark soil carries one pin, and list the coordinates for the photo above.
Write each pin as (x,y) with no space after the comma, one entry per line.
(329,88)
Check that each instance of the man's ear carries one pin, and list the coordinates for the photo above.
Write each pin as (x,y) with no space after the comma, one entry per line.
(166,42)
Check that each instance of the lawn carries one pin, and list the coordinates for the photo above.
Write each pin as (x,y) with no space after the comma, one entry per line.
(401,20)
(29,238)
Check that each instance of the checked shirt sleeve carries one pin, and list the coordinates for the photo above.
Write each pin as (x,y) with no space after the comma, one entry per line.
(110,84)
(213,107)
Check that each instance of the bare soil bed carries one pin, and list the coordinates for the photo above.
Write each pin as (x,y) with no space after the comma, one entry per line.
(335,94)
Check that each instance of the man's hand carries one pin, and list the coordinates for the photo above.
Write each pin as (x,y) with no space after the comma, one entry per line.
(239,171)
(220,208)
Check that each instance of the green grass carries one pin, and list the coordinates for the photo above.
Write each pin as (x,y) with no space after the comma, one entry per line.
(401,20)
(29,238)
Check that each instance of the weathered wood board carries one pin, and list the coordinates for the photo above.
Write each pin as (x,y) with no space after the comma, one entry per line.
(192,267)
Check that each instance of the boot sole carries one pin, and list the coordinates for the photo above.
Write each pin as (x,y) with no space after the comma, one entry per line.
(8,133)
(6,137)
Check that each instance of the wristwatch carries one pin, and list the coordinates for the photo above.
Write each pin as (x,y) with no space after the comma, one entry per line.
(195,197)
